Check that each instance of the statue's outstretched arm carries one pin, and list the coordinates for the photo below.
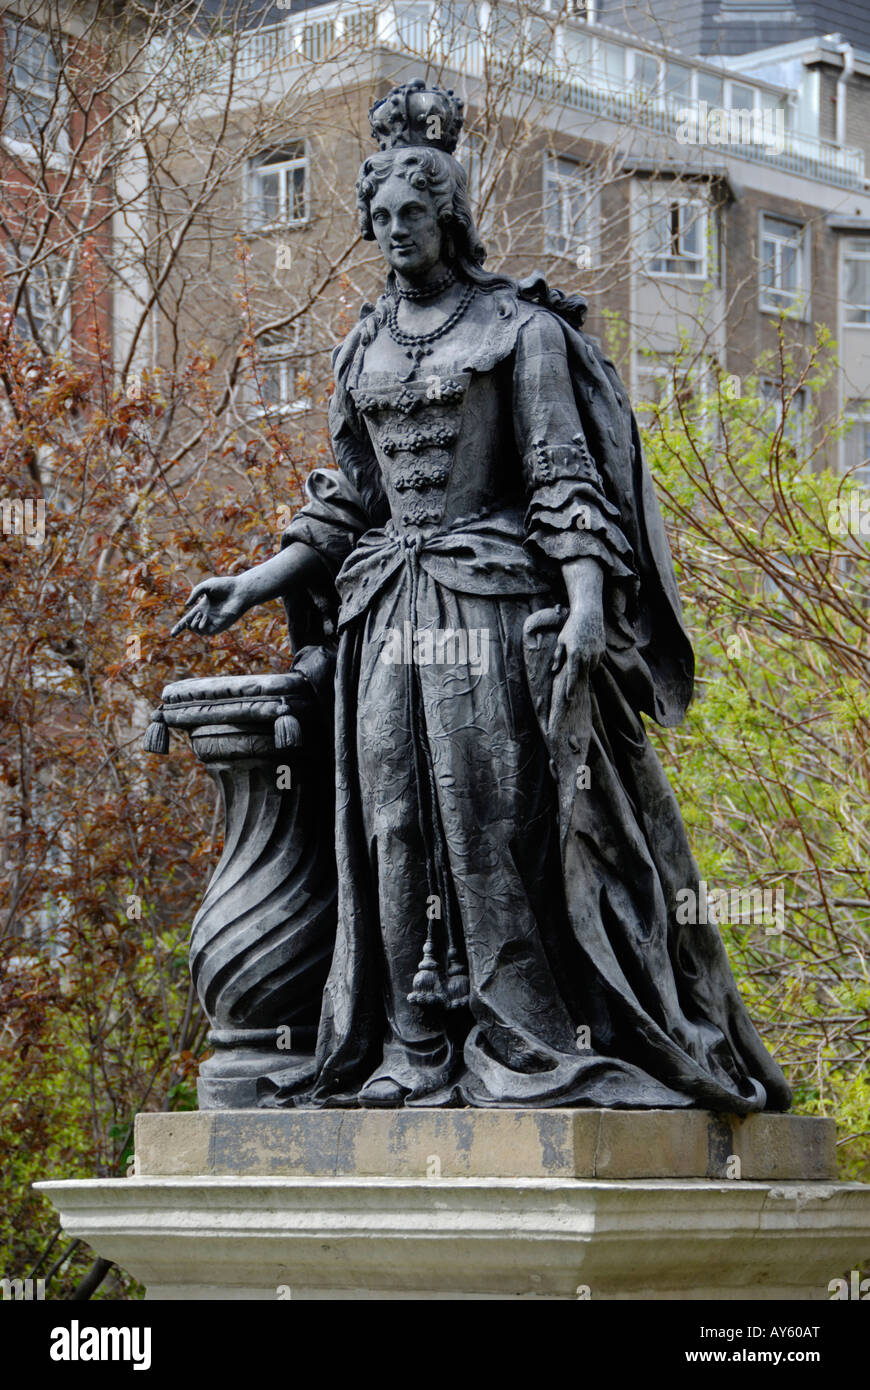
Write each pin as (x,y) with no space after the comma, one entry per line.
(216,603)
(342,504)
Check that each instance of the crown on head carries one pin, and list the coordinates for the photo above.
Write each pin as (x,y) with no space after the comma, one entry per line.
(415,114)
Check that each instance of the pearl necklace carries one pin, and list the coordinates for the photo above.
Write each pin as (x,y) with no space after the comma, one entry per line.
(431,290)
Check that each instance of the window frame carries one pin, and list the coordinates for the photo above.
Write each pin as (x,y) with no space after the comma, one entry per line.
(571,243)
(863,255)
(607,81)
(799,306)
(52,140)
(282,352)
(476,157)
(402,16)
(636,57)
(670,93)
(857,412)
(258,168)
(672,201)
(15,267)
(702,76)
(771,392)
(691,394)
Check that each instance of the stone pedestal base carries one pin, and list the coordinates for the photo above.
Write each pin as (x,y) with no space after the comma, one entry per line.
(262,939)
(476,1204)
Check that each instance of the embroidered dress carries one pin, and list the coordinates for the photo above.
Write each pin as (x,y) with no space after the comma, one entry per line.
(508,863)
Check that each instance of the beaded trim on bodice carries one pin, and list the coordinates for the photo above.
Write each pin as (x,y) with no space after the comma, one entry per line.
(424,430)
(414,427)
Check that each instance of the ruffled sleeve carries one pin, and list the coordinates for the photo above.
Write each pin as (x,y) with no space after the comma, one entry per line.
(331,521)
(569,515)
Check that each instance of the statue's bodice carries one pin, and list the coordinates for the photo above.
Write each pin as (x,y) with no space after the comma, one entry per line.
(443,444)
(444,439)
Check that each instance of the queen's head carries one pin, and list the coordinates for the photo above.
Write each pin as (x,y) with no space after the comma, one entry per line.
(417,129)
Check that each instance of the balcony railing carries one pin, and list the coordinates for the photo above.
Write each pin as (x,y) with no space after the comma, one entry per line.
(800,154)
(340,32)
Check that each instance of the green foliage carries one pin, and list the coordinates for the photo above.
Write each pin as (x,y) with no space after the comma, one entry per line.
(772,765)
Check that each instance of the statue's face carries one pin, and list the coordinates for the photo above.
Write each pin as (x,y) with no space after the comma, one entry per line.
(406,227)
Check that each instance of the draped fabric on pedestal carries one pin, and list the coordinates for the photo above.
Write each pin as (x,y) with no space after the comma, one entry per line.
(507,931)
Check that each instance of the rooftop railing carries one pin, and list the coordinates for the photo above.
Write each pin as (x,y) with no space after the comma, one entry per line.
(411,30)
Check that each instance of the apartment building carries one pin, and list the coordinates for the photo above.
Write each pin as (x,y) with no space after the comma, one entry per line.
(693,200)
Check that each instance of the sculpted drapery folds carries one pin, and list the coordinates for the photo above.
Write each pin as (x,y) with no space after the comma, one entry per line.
(489,561)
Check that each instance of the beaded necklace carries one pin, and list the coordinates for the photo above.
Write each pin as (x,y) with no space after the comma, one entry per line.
(419,344)
(428,291)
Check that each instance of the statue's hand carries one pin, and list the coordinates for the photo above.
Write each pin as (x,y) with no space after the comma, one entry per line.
(214,605)
(581,643)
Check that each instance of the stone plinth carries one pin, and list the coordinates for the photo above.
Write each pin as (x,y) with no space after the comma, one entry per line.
(611,1144)
(476,1204)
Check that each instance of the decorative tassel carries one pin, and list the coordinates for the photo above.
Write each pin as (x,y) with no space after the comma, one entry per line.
(427,987)
(288,730)
(457,981)
(156,739)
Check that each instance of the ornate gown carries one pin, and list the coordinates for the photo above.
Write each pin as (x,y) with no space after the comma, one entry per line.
(508,863)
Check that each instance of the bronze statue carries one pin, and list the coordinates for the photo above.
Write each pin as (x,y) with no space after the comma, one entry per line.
(489,561)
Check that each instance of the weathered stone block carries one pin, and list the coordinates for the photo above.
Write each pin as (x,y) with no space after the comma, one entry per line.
(609,1144)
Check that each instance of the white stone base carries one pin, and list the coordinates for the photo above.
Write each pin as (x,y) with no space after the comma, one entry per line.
(503,1238)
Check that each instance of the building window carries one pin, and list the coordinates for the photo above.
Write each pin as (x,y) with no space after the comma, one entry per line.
(32,112)
(569,221)
(279,377)
(669,389)
(856,443)
(576,53)
(279,186)
(479,161)
(470,156)
(783,264)
(656,392)
(280,383)
(741,97)
(678,82)
(710,89)
(412,22)
(610,61)
(856,280)
(674,235)
(645,74)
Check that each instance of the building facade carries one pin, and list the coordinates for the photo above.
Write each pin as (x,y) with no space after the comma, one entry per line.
(704,206)
(56,180)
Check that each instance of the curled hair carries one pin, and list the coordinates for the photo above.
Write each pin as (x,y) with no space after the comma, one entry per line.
(437,173)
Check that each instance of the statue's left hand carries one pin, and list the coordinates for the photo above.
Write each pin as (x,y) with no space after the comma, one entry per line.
(581,643)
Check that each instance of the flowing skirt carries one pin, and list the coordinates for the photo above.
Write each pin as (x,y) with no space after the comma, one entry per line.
(488,952)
